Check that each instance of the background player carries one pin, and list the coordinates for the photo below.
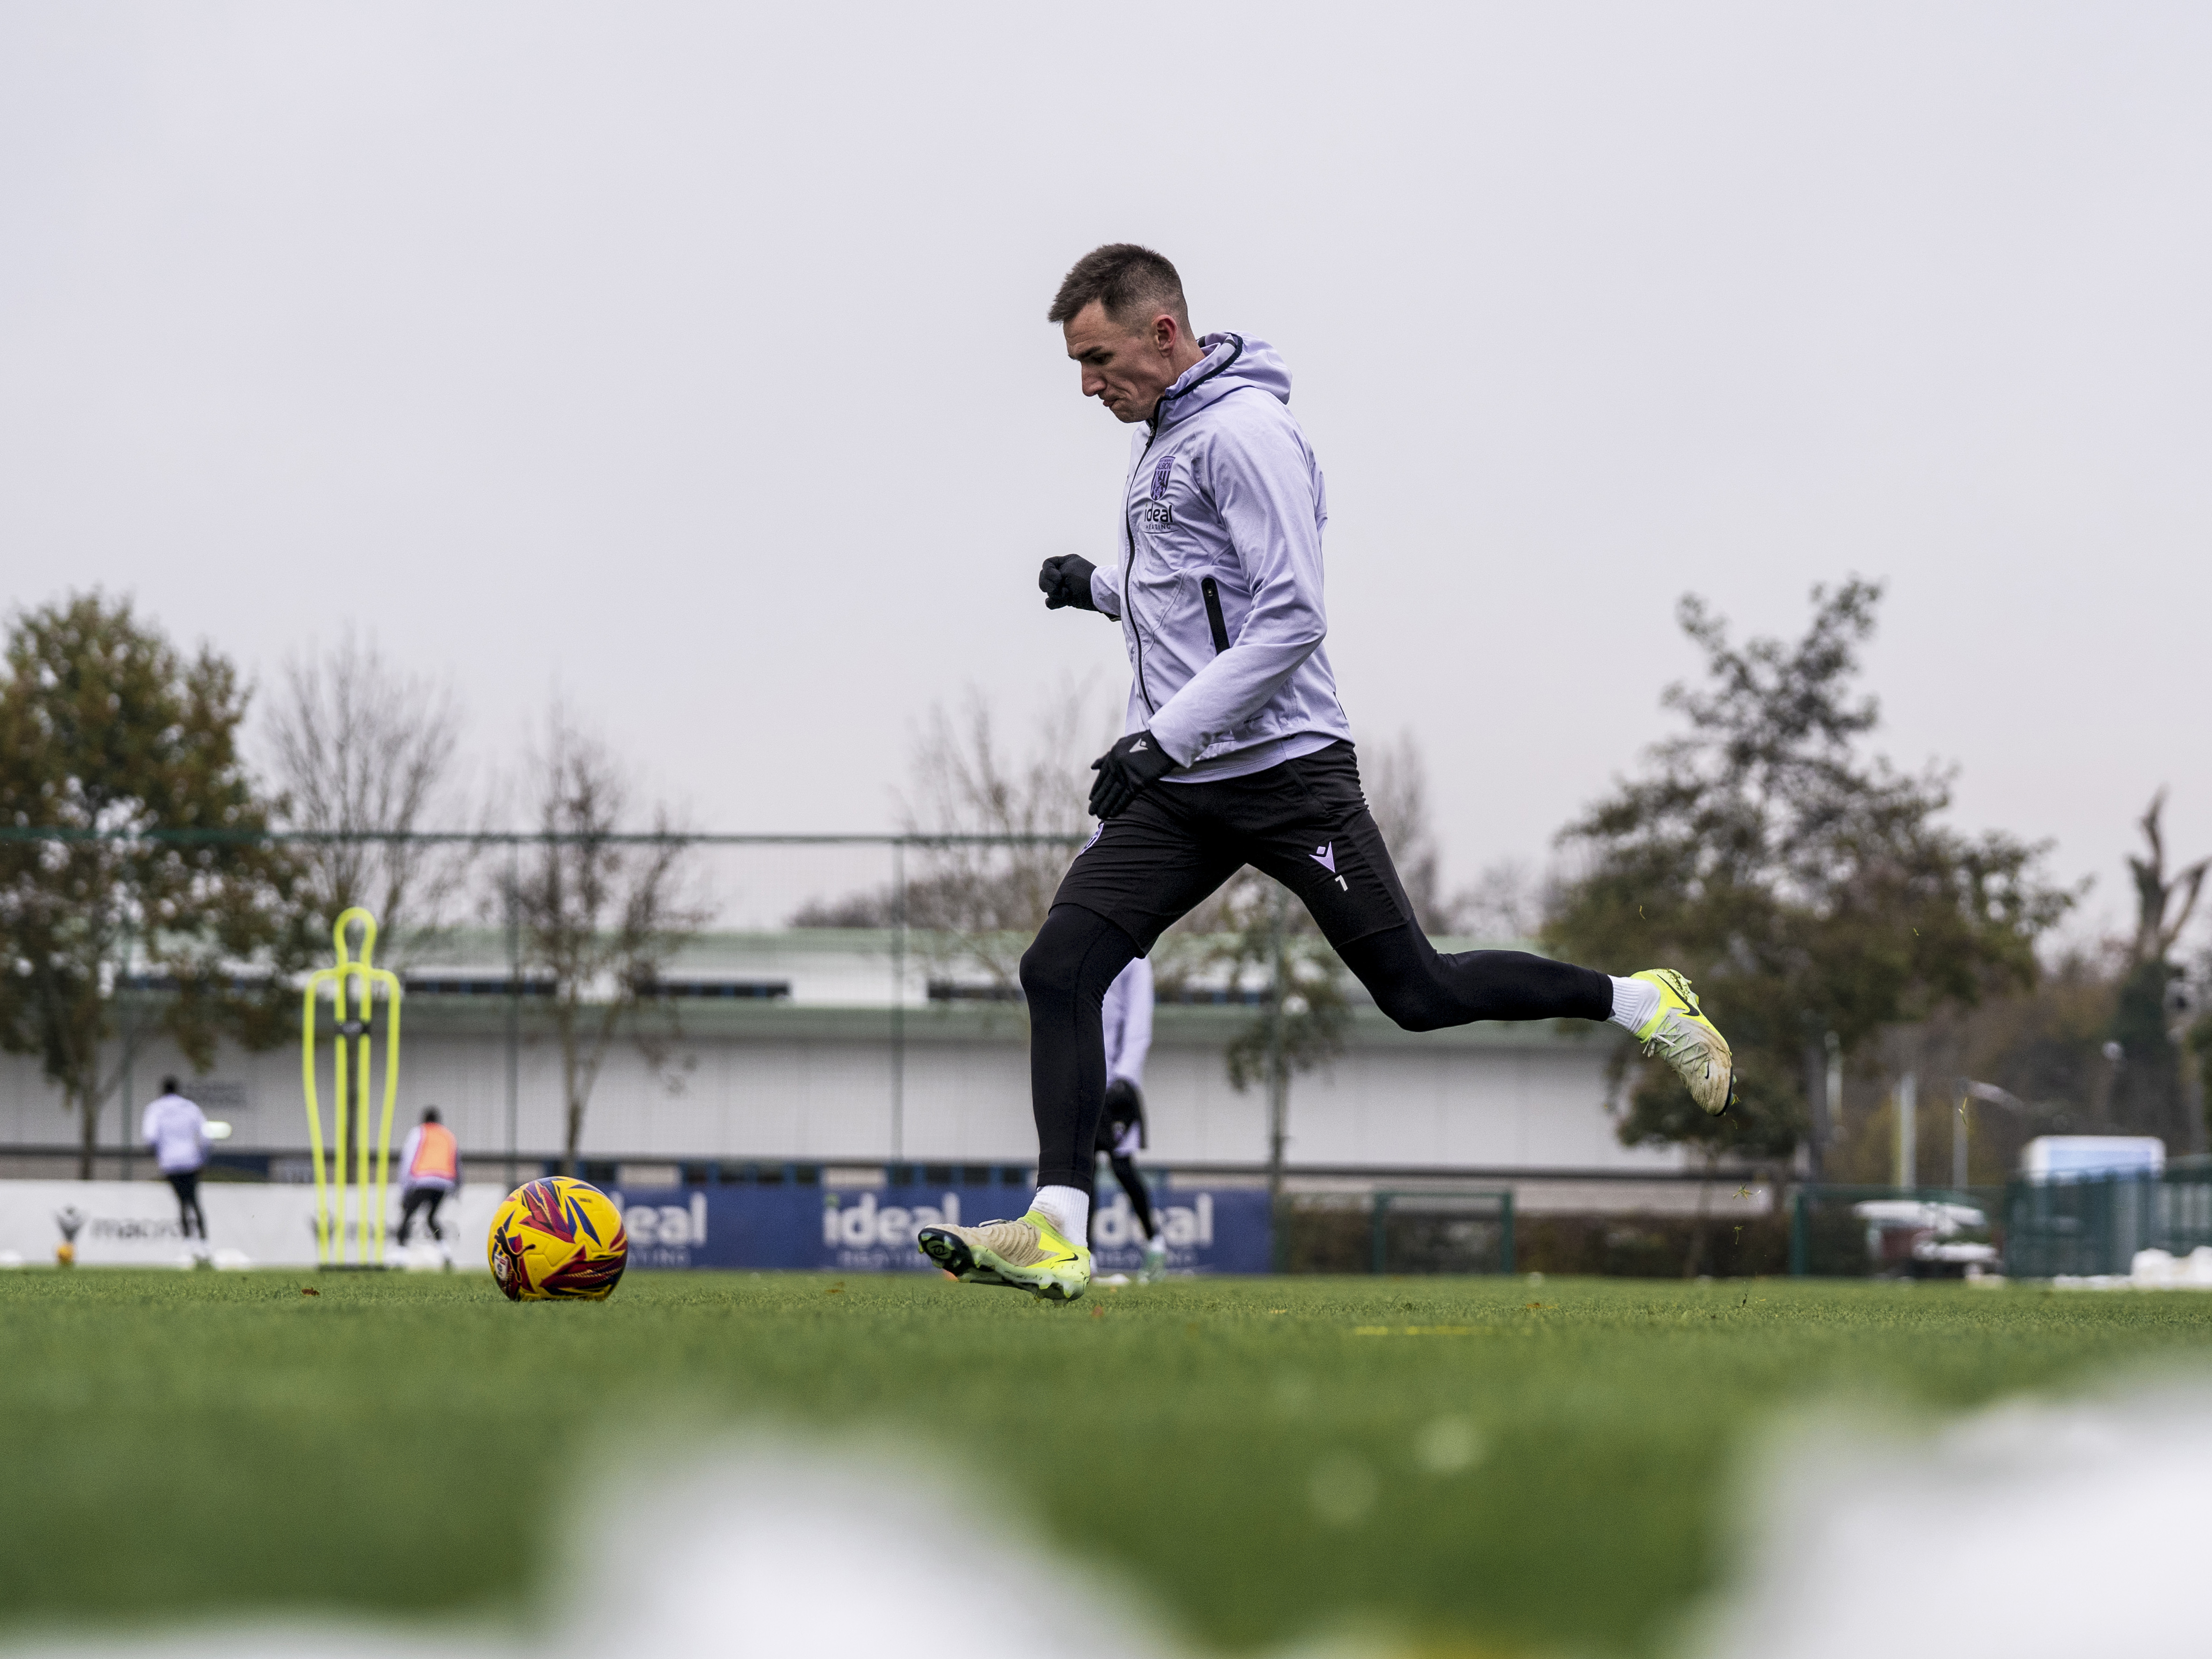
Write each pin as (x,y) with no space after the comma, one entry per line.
(1126,1023)
(1237,752)
(177,1130)
(431,1160)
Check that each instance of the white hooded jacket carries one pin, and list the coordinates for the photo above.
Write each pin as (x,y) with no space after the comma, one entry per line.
(1219,590)
(176,1131)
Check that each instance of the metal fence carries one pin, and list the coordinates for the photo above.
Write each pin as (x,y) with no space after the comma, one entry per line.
(2094,1224)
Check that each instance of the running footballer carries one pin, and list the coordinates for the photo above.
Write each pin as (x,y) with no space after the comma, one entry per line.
(1238,751)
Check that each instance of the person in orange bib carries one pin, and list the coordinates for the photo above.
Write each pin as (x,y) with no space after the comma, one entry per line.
(431,1165)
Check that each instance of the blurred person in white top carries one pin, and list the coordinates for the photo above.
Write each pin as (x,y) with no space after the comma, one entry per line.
(177,1130)
(1126,1013)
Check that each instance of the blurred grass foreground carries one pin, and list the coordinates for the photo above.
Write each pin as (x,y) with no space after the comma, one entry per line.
(1501,1466)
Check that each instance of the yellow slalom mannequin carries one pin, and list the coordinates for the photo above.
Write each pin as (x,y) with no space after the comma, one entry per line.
(359,979)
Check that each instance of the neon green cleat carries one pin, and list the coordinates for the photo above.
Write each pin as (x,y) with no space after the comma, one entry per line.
(1681,1034)
(1028,1255)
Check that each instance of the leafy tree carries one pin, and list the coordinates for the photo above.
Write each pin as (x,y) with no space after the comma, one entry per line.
(1807,887)
(1253,923)
(106,733)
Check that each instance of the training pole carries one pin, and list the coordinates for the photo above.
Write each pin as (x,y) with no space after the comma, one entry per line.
(351,986)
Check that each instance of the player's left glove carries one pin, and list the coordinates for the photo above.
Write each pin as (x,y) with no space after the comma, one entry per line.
(1136,763)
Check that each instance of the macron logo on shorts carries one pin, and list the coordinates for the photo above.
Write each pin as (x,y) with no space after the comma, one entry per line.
(1325,856)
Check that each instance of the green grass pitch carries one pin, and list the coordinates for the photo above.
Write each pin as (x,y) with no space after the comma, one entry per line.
(223,1443)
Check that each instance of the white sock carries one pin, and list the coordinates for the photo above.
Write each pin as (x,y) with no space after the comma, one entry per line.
(1068,1209)
(1634,1002)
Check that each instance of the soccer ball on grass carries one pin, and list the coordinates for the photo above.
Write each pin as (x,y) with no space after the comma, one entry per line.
(558,1239)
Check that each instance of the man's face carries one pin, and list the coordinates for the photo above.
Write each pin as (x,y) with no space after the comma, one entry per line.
(1127,369)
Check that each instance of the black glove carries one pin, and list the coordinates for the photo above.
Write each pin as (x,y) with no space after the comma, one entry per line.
(1124,1103)
(1066,581)
(1123,1106)
(1135,763)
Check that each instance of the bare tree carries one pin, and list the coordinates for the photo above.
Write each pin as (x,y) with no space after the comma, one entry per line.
(986,902)
(978,906)
(2148,1092)
(361,749)
(1506,901)
(1505,905)
(2158,918)
(599,915)
(1396,781)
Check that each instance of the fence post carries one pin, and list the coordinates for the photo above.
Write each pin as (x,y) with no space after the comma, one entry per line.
(514,1010)
(898,998)
(1506,1233)
(1378,1209)
(1800,1249)
(129,1024)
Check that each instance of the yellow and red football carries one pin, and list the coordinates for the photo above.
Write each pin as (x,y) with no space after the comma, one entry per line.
(558,1239)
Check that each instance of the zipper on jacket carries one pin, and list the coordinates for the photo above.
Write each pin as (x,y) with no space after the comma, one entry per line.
(1129,538)
(1129,598)
(1215,620)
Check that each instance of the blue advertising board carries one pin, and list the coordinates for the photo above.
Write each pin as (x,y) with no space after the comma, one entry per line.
(872,1229)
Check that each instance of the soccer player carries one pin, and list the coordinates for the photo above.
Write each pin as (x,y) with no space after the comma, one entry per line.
(431,1161)
(1237,751)
(177,1130)
(1125,1020)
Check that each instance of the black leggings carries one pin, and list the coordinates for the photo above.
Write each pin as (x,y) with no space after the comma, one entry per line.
(1141,1197)
(1077,953)
(185,1183)
(416,1197)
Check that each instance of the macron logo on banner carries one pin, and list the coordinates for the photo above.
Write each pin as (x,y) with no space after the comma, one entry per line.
(1325,856)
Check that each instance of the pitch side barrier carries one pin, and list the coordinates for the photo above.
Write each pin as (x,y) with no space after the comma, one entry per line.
(871,1229)
(2094,1222)
(120,1224)
(787,1219)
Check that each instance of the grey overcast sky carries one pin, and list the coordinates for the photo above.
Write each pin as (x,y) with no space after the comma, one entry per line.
(691,359)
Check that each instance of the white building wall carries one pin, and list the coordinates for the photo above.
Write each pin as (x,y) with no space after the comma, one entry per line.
(1530,1104)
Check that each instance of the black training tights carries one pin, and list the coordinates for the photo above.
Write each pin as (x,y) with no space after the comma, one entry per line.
(416,1198)
(1140,1199)
(185,1183)
(1076,955)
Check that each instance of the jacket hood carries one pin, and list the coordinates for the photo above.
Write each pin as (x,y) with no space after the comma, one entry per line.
(1232,361)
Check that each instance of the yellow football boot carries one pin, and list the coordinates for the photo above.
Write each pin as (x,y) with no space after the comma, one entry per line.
(1681,1034)
(1028,1255)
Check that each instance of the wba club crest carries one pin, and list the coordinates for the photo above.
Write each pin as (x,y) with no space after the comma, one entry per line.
(1158,511)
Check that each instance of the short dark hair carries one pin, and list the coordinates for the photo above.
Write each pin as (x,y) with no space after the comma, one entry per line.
(169,1086)
(429,1115)
(1124,278)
